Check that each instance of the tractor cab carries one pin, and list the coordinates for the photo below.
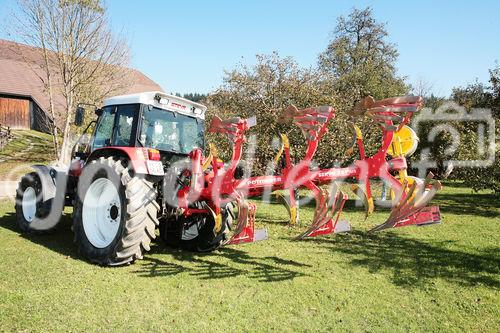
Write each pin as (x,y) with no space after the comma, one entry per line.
(172,125)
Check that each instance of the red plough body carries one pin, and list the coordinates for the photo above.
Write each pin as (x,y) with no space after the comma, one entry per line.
(222,187)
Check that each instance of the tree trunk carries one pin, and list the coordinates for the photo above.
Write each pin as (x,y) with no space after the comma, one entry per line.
(65,156)
(49,88)
(52,114)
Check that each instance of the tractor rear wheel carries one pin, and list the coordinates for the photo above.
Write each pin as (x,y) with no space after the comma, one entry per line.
(31,206)
(196,233)
(115,213)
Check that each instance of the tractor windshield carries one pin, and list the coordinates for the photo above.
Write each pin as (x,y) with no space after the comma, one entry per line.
(169,131)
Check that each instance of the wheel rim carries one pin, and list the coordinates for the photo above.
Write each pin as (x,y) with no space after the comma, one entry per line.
(101,213)
(29,204)
(191,232)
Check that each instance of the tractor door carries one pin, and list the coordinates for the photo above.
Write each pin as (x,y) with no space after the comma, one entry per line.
(117,126)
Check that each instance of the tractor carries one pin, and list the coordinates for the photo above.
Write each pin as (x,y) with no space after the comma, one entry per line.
(143,169)
(117,184)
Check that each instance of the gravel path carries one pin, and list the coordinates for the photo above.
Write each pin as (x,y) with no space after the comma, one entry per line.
(8,189)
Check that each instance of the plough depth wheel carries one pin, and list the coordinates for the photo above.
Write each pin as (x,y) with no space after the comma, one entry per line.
(196,232)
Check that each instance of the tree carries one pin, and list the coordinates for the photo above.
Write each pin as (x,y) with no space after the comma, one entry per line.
(265,90)
(422,87)
(359,60)
(478,95)
(31,28)
(195,97)
(83,60)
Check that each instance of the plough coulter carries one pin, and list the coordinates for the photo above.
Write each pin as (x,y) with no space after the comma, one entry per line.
(144,168)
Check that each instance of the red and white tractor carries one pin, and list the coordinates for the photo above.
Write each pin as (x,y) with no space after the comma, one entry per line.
(143,169)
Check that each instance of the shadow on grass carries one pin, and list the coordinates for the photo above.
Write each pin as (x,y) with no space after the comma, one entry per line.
(413,263)
(479,204)
(201,266)
(59,240)
(408,262)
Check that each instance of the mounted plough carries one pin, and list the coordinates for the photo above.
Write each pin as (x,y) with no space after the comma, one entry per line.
(410,195)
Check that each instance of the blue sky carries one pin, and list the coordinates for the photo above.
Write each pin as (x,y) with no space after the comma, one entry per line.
(185,46)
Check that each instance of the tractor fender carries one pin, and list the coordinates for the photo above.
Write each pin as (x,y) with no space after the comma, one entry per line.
(52,179)
(48,176)
(136,156)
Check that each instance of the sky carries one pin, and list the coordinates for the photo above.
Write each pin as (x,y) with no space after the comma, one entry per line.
(186,46)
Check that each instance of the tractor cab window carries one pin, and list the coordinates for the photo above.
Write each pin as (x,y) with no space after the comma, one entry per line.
(104,129)
(123,126)
(115,126)
(169,131)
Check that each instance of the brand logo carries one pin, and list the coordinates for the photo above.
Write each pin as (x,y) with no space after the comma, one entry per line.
(264,181)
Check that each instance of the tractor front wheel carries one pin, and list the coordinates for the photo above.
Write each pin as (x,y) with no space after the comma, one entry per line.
(34,213)
(115,213)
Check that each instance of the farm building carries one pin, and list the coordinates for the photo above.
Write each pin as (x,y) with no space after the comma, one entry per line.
(24,103)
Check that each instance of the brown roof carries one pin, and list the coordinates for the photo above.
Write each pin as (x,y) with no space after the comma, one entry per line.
(20,72)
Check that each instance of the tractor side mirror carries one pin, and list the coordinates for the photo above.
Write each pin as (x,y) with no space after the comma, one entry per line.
(79,116)
(98,112)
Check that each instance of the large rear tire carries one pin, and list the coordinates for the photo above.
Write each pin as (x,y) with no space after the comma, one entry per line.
(30,205)
(115,213)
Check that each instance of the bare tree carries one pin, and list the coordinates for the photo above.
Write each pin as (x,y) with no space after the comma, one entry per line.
(83,60)
(422,87)
(30,26)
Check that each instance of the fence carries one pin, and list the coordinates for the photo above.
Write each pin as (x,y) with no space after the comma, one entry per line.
(5,135)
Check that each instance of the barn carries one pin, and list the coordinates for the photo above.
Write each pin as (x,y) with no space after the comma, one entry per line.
(24,103)
(23,112)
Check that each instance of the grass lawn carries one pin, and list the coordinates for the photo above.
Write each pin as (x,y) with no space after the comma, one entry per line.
(437,278)
(25,149)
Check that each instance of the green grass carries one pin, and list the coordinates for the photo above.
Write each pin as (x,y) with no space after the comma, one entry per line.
(437,278)
(25,149)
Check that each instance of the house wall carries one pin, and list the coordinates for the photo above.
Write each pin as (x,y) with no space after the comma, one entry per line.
(15,112)
(39,120)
